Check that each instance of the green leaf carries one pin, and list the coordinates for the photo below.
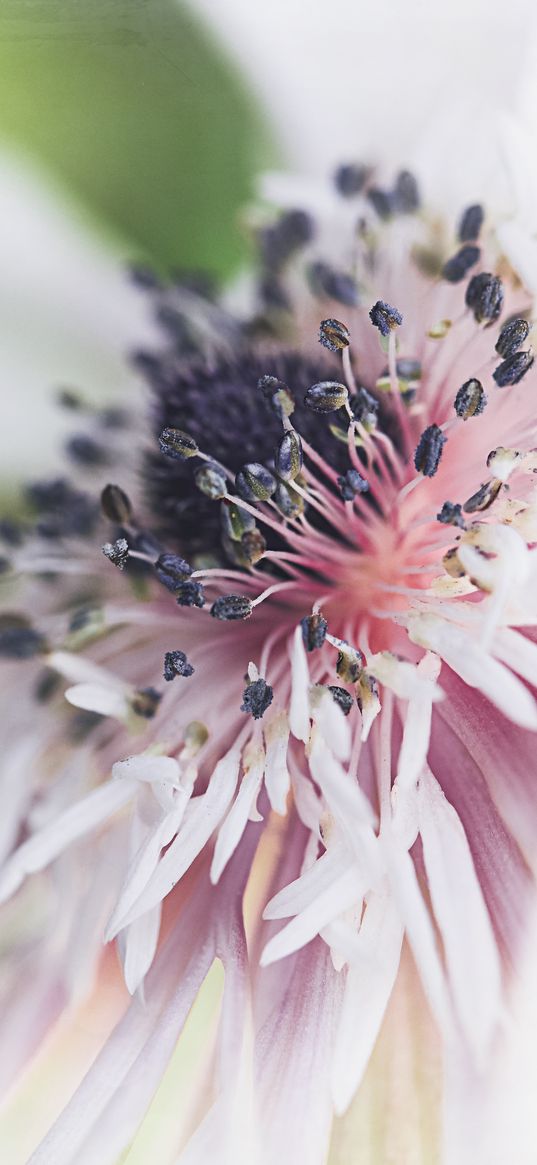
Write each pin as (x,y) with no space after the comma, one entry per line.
(131,107)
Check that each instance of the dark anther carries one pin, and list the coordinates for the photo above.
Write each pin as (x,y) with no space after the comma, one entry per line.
(113,417)
(47,685)
(470,399)
(176,664)
(429,450)
(512,370)
(190,594)
(351,484)
(175,443)
(327,283)
(172,571)
(256,698)
(288,501)
(5,564)
(483,498)
(364,407)
(451,515)
(210,479)
(484,295)
(64,511)
(231,608)
(145,702)
(273,293)
(470,223)
(326,397)
(382,201)
(342,697)
(314,628)
(11,532)
(144,277)
(69,398)
(235,521)
(18,639)
(334,335)
(84,450)
(253,546)
(288,456)
(293,230)
(406,194)
(117,552)
(115,504)
(350,179)
(512,336)
(255,483)
(385,317)
(455,269)
(350,664)
(277,396)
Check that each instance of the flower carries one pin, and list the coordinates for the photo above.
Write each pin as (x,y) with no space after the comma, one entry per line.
(298,675)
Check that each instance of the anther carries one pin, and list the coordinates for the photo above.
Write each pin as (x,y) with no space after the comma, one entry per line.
(172,571)
(177,444)
(85,450)
(211,481)
(327,396)
(351,484)
(18,639)
(145,702)
(350,664)
(385,317)
(115,504)
(470,223)
(512,370)
(406,193)
(327,283)
(231,608)
(349,180)
(382,201)
(288,456)
(512,336)
(452,563)
(341,697)
(429,450)
(364,408)
(277,395)
(470,400)
(483,497)
(255,483)
(451,515)
(334,335)
(314,628)
(190,594)
(253,546)
(235,521)
(455,269)
(256,698)
(176,664)
(484,295)
(288,501)
(117,552)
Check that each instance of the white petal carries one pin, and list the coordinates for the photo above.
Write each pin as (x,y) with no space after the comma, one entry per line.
(350,808)
(147,767)
(299,716)
(417,727)
(141,868)
(277,780)
(476,667)
(140,944)
(401,677)
(370,979)
(80,670)
(308,804)
(458,903)
(345,890)
(518,652)
(40,849)
(98,698)
(331,722)
(300,893)
(206,812)
(233,827)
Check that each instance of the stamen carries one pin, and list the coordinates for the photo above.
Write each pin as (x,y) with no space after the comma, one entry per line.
(351,484)
(18,639)
(334,335)
(329,284)
(470,223)
(176,664)
(314,628)
(512,336)
(342,698)
(231,608)
(327,396)
(406,193)
(483,498)
(385,317)
(211,481)
(470,400)
(117,552)
(190,594)
(456,268)
(429,450)
(145,702)
(256,698)
(451,515)
(484,295)
(288,457)
(172,571)
(255,483)
(511,370)
(350,179)
(177,444)
(116,505)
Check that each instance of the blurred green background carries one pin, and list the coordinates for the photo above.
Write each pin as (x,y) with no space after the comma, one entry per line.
(132,107)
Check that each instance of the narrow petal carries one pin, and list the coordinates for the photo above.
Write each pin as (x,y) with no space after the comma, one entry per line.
(98,698)
(277,779)
(233,827)
(140,944)
(299,717)
(346,889)
(304,890)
